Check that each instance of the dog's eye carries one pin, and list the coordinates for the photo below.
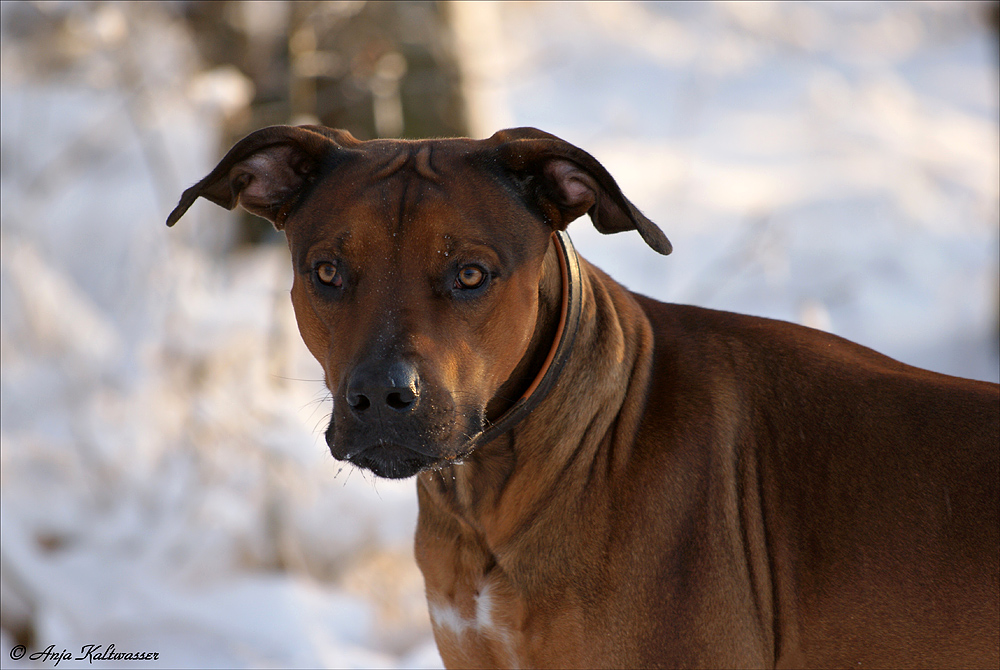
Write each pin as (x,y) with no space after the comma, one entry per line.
(470,276)
(327,274)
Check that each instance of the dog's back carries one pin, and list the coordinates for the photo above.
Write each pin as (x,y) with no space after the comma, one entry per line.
(877,485)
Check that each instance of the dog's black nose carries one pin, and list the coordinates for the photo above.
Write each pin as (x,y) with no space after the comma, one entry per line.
(395,386)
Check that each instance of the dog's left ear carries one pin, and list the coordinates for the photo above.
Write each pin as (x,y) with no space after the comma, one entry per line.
(266,171)
(567,182)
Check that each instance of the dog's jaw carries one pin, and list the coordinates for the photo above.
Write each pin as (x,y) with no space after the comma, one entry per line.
(392,461)
(401,450)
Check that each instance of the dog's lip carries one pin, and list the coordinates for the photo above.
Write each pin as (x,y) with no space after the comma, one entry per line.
(388,444)
(385,451)
(378,443)
(392,461)
(434,440)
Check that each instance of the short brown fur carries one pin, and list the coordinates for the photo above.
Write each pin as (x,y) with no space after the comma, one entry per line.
(698,489)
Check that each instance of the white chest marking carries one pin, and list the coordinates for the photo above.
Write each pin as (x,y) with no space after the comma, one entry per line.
(484,610)
(446,616)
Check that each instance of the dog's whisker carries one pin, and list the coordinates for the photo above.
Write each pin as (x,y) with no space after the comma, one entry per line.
(296,379)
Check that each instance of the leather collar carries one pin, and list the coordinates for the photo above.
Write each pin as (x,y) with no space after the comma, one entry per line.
(562,343)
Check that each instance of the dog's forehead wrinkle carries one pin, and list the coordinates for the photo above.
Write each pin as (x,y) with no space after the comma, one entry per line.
(410,159)
(392,166)
(423,163)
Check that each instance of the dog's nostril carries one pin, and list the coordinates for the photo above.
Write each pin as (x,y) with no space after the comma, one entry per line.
(359,402)
(399,400)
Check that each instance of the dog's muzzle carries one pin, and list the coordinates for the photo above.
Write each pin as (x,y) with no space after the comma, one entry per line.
(389,423)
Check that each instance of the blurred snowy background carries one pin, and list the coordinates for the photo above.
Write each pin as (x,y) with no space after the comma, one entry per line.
(165,484)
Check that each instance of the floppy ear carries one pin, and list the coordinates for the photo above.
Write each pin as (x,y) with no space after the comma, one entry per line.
(266,171)
(567,182)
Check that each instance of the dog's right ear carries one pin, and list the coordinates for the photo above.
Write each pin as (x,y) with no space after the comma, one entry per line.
(266,171)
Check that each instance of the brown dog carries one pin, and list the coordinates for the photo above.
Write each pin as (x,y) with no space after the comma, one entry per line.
(606,480)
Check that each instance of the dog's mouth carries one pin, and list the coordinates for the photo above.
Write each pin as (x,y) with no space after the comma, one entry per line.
(392,461)
(394,452)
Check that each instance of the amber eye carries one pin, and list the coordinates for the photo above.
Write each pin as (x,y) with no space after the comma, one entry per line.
(470,276)
(327,274)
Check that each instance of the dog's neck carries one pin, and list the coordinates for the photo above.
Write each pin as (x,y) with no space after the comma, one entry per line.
(511,487)
(560,298)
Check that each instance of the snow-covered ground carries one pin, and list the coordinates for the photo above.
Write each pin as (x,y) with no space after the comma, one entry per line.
(165,484)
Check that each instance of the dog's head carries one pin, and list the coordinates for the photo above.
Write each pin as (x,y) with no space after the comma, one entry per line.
(417,270)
